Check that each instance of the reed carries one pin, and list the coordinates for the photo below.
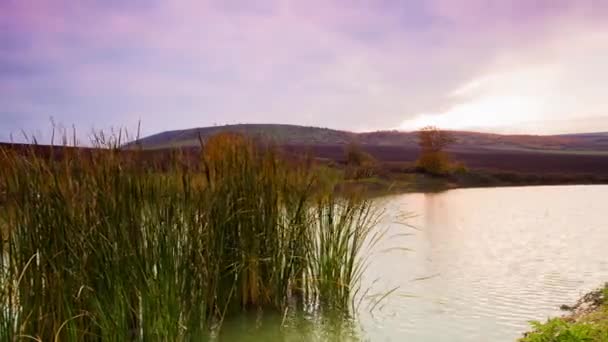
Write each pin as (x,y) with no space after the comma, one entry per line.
(96,247)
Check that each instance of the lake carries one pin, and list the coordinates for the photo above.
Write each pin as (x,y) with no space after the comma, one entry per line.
(475,265)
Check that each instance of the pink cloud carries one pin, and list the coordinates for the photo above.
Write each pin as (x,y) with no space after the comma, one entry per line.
(320,61)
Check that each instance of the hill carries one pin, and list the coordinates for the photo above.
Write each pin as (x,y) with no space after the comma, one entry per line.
(492,159)
(281,134)
(292,135)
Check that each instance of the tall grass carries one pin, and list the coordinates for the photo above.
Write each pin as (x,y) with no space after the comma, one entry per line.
(96,247)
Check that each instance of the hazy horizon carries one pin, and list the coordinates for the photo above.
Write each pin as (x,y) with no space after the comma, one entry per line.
(504,131)
(491,66)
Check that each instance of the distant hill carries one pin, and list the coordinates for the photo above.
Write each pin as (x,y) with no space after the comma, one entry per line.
(588,143)
(281,134)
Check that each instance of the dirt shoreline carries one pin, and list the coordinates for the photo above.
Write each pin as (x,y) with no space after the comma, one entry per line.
(587,304)
(586,320)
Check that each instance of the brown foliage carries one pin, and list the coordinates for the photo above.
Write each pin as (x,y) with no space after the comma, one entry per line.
(359,164)
(432,142)
(432,139)
(436,163)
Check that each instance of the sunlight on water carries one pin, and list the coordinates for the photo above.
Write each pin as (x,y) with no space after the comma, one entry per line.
(477,265)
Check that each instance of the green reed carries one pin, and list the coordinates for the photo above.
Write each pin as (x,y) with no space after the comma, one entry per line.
(96,247)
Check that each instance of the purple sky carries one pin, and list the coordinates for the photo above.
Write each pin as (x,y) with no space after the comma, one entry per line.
(536,66)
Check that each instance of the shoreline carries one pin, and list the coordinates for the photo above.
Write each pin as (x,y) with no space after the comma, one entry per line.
(586,320)
(405,183)
(384,175)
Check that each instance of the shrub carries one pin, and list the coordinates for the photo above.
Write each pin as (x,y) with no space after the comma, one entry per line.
(459,168)
(435,163)
(559,330)
(359,164)
(432,142)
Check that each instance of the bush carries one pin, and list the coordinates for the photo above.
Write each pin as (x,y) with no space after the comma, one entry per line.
(560,330)
(434,163)
(359,164)
(589,326)
(432,142)
(459,168)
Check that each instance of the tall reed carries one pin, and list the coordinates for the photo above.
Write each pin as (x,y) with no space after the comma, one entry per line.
(96,247)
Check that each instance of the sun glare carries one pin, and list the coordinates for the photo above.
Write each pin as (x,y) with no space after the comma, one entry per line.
(495,101)
(485,112)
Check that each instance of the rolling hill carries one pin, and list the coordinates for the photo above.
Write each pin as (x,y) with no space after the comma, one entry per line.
(292,135)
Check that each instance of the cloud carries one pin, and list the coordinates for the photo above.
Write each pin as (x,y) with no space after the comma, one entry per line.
(351,65)
(558,80)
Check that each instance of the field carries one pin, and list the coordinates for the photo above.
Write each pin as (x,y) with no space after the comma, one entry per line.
(507,161)
(395,167)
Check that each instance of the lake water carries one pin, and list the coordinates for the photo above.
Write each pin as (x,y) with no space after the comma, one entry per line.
(481,264)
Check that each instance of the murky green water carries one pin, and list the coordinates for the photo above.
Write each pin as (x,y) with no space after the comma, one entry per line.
(483,262)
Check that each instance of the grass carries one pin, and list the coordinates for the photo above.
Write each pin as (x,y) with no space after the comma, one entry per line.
(589,327)
(95,247)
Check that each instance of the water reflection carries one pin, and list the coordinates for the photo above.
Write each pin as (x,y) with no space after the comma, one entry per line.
(477,266)
(501,257)
(268,326)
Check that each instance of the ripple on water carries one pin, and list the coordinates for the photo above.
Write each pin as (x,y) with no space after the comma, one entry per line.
(490,260)
(503,257)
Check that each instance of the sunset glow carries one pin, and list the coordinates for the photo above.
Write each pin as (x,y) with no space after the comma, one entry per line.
(496,101)
(493,66)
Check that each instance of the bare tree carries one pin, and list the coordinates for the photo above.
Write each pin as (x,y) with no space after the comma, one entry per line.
(432,139)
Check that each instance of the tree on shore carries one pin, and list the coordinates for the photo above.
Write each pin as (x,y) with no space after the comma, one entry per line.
(432,142)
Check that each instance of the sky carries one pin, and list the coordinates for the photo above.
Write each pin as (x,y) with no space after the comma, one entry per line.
(519,66)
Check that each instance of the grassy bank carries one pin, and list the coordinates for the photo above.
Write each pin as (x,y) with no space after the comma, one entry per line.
(95,247)
(586,322)
(404,178)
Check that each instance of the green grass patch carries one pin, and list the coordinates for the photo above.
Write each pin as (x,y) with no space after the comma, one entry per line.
(588,327)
